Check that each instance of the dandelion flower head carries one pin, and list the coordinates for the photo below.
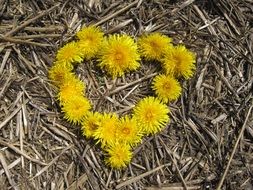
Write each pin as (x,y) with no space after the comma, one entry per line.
(153,46)
(76,108)
(166,87)
(91,39)
(90,123)
(59,73)
(119,54)
(72,87)
(180,62)
(106,131)
(128,131)
(151,115)
(70,53)
(119,155)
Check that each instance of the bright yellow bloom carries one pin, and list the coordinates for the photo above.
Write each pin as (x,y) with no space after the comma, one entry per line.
(119,155)
(70,53)
(151,115)
(180,62)
(106,132)
(72,87)
(128,131)
(90,123)
(91,39)
(59,73)
(119,54)
(76,108)
(153,46)
(166,87)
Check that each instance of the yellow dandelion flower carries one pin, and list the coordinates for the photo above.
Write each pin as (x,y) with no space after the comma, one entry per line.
(90,123)
(119,155)
(128,131)
(60,73)
(179,61)
(70,53)
(106,131)
(76,108)
(91,39)
(154,45)
(119,54)
(151,115)
(72,87)
(166,87)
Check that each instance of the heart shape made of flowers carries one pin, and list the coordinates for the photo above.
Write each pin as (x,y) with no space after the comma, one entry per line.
(117,54)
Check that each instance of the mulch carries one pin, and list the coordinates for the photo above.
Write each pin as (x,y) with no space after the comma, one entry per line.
(208,143)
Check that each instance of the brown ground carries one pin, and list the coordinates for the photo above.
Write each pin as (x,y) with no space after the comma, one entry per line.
(209,141)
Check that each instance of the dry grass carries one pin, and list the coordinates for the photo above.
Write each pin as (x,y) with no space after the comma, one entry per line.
(207,145)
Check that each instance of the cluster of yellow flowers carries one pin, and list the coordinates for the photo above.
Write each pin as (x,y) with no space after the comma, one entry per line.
(118,54)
